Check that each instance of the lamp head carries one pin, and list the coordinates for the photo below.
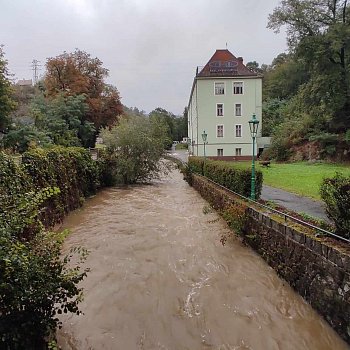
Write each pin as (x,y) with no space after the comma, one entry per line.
(253,126)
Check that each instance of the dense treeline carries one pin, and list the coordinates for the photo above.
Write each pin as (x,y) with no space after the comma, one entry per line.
(176,126)
(67,107)
(307,90)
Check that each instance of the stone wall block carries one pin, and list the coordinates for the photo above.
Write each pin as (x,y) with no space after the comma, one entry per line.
(346,263)
(333,255)
(275,225)
(266,220)
(317,247)
(317,270)
(324,251)
(299,237)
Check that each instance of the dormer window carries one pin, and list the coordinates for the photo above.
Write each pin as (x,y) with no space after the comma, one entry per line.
(219,88)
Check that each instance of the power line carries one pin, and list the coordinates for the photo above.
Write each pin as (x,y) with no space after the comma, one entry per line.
(35,68)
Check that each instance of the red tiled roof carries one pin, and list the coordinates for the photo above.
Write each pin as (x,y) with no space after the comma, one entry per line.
(223,63)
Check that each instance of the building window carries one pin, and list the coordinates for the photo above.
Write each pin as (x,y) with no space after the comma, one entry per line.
(219,88)
(220,109)
(238,109)
(238,88)
(220,131)
(220,152)
(238,151)
(238,130)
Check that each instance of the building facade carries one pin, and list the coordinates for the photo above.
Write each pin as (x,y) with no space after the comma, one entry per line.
(224,96)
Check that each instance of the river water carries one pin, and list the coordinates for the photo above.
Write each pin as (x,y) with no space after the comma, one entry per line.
(160,279)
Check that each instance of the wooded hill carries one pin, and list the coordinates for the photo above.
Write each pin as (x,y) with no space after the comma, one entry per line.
(306,104)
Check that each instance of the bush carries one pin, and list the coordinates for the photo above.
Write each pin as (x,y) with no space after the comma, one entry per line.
(223,173)
(107,164)
(36,284)
(138,144)
(335,192)
(70,169)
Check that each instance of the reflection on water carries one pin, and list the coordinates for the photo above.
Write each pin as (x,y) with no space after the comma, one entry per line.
(160,279)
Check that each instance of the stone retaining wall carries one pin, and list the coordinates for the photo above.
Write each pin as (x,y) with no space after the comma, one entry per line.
(317,268)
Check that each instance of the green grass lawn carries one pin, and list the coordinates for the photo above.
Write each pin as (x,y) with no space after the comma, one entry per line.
(181,146)
(302,178)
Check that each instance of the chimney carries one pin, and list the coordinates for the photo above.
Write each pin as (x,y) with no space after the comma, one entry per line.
(240,59)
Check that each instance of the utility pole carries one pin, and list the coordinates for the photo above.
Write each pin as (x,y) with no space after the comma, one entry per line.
(35,68)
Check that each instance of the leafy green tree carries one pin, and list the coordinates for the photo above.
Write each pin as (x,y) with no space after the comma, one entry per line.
(254,67)
(63,119)
(7,105)
(21,138)
(273,114)
(77,73)
(138,145)
(283,79)
(177,125)
(319,35)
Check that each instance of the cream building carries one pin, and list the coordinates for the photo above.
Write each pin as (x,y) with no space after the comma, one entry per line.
(224,96)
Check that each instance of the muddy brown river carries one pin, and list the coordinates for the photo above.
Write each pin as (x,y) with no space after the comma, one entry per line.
(160,279)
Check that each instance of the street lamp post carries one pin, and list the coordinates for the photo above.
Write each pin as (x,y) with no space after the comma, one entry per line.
(253,126)
(204,137)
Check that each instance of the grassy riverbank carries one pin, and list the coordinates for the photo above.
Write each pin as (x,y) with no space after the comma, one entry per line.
(302,178)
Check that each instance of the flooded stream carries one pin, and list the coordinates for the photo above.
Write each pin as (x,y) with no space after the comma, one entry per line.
(160,279)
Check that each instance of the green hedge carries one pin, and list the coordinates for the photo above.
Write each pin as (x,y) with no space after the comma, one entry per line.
(71,170)
(335,192)
(36,283)
(224,173)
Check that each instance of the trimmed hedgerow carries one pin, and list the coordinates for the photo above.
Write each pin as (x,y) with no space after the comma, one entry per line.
(70,169)
(335,192)
(36,284)
(237,180)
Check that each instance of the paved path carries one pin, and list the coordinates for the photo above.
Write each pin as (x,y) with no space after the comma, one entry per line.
(294,202)
(289,200)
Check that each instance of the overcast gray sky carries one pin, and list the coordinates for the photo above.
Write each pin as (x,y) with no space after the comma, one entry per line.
(151,47)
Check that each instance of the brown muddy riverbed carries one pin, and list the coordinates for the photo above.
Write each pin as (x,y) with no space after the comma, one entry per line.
(160,279)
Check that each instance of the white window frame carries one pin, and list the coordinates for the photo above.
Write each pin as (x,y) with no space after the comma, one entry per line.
(241,110)
(219,82)
(217,152)
(223,111)
(223,131)
(236,130)
(233,87)
(240,152)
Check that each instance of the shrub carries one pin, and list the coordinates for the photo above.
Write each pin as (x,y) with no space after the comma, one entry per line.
(335,192)
(107,164)
(138,144)
(35,283)
(35,286)
(70,169)
(236,217)
(225,174)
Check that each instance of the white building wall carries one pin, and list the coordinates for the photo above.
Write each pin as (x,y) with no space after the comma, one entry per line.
(203,105)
